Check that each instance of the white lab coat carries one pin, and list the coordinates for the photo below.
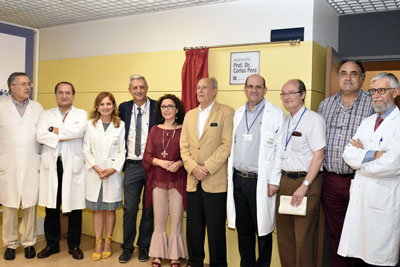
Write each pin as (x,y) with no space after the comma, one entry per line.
(107,150)
(371,229)
(19,154)
(73,185)
(269,167)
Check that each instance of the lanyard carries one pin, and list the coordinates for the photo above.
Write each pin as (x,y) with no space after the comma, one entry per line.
(287,132)
(138,120)
(251,125)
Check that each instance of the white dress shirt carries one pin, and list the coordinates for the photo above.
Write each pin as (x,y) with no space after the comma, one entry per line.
(145,130)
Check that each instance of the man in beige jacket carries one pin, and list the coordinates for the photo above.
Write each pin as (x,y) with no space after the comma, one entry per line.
(205,146)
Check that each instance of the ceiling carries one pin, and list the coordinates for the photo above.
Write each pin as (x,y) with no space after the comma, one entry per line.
(347,7)
(47,13)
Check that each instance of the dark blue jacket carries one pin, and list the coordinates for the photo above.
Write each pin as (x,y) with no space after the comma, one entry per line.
(125,112)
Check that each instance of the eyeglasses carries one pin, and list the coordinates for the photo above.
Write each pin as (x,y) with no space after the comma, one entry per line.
(23,84)
(380,91)
(289,93)
(167,107)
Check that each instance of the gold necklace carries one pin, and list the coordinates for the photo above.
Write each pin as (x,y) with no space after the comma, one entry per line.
(164,154)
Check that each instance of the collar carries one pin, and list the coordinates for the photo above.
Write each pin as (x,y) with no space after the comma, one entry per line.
(65,112)
(256,107)
(387,113)
(208,109)
(298,114)
(338,98)
(23,103)
(145,104)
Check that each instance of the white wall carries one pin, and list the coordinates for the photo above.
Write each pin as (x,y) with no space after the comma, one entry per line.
(242,21)
(326,24)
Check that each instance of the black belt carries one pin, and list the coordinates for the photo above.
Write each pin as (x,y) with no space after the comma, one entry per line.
(294,175)
(132,161)
(250,175)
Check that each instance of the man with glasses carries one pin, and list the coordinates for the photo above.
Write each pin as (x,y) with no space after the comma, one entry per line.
(254,172)
(303,152)
(139,116)
(19,165)
(343,113)
(371,230)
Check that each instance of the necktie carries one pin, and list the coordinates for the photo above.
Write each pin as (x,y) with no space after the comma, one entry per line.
(138,137)
(378,122)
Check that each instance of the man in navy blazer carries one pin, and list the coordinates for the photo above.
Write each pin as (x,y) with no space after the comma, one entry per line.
(139,116)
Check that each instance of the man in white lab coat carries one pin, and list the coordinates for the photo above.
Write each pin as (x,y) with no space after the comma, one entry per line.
(62,179)
(254,172)
(371,230)
(19,165)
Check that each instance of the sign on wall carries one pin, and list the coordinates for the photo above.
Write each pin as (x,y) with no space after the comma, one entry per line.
(244,64)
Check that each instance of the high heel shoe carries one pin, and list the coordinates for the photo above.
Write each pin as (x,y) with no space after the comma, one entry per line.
(155,263)
(97,256)
(107,254)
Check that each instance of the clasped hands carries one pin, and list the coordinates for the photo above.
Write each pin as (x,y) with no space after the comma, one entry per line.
(200,172)
(170,166)
(104,173)
(358,144)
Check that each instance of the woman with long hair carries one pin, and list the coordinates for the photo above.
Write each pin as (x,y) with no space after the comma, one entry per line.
(166,181)
(104,152)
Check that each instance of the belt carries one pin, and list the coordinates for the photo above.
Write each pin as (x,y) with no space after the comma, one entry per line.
(250,175)
(294,175)
(132,161)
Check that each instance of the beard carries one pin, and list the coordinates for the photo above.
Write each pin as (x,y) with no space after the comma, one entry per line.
(382,109)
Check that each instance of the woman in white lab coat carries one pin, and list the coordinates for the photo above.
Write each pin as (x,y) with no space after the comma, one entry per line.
(104,153)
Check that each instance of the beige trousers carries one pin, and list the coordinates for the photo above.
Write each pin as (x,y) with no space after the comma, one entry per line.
(161,246)
(27,228)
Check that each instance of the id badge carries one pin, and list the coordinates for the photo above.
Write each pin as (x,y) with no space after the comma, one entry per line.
(247,137)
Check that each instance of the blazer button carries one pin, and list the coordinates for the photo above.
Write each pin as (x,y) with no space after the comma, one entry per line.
(198,148)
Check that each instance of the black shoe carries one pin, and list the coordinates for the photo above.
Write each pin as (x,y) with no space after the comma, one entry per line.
(30,252)
(9,254)
(47,252)
(125,256)
(76,253)
(143,254)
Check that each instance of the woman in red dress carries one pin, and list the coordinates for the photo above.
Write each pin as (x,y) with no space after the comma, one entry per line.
(166,181)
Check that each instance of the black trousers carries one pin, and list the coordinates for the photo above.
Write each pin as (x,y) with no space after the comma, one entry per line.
(206,210)
(360,263)
(52,219)
(134,182)
(246,224)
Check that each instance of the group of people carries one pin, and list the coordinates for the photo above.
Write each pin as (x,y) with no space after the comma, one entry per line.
(216,163)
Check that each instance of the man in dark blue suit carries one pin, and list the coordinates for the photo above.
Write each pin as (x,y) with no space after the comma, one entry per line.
(139,116)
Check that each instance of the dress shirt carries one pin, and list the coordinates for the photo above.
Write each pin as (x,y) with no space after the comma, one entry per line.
(300,149)
(20,107)
(341,125)
(145,130)
(370,155)
(203,116)
(247,152)
(63,116)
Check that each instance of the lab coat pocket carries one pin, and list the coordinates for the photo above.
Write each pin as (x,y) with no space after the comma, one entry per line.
(378,196)
(269,145)
(77,164)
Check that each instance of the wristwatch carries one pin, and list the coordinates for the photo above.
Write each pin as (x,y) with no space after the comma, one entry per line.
(51,129)
(306,183)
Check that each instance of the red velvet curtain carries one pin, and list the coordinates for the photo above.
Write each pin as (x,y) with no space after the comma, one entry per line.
(194,68)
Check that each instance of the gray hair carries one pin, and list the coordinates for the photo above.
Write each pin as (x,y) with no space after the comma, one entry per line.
(393,81)
(138,77)
(214,83)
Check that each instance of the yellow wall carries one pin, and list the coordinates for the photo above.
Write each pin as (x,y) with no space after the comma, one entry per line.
(91,75)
